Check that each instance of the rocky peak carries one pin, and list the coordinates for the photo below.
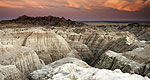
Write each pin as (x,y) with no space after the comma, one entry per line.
(44,21)
(24,17)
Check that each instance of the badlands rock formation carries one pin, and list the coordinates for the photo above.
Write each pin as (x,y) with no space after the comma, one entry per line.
(108,47)
(142,31)
(120,42)
(88,46)
(25,59)
(119,45)
(95,39)
(136,61)
(79,70)
(48,45)
(112,60)
(100,42)
(140,55)
(83,51)
(10,72)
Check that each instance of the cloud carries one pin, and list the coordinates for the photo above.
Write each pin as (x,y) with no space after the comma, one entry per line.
(10,4)
(126,5)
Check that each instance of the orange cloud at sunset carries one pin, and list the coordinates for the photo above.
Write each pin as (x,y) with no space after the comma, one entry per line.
(10,6)
(79,4)
(33,4)
(126,5)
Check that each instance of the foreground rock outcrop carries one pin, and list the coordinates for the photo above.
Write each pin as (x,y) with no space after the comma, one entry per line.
(141,55)
(112,60)
(48,45)
(25,59)
(10,72)
(75,69)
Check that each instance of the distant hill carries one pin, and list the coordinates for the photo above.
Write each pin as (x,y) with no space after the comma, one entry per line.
(114,21)
(45,21)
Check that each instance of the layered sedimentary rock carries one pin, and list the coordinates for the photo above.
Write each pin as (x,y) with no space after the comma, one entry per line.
(96,41)
(142,31)
(140,55)
(112,60)
(120,45)
(75,71)
(91,44)
(142,44)
(84,51)
(107,46)
(25,59)
(48,45)
(99,42)
(10,72)
(120,42)
(68,60)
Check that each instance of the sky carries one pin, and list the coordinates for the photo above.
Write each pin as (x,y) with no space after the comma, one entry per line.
(80,10)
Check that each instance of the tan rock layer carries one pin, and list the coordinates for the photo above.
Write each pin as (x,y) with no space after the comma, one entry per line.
(111,60)
(10,72)
(48,45)
(25,59)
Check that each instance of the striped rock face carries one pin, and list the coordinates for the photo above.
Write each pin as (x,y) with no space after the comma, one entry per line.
(25,59)
(135,61)
(48,45)
(140,55)
(10,72)
(74,69)
(95,42)
(83,50)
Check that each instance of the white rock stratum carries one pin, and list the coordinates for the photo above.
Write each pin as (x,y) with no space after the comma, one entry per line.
(74,69)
